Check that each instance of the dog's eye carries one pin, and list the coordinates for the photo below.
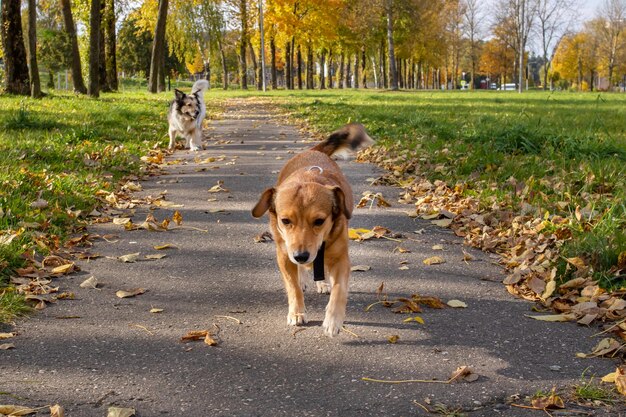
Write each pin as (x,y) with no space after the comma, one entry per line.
(319,222)
(286,222)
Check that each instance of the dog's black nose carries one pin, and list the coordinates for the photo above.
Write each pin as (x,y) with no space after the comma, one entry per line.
(301,257)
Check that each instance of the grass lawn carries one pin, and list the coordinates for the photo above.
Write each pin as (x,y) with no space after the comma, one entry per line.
(55,154)
(567,150)
(559,153)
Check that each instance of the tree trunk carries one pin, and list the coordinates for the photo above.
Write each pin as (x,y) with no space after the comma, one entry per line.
(331,63)
(77,72)
(158,48)
(383,65)
(94,49)
(35,83)
(273,58)
(110,45)
(220,45)
(102,60)
(393,75)
(356,70)
(348,72)
(363,64)
(322,68)
(342,64)
(255,67)
(243,42)
(15,67)
(299,68)
(288,66)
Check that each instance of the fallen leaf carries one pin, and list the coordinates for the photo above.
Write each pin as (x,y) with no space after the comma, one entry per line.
(605,347)
(7,346)
(463,373)
(57,411)
(442,222)
(417,319)
(362,268)
(403,268)
(400,249)
(167,204)
(91,282)
(120,412)
(129,258)
(553,317)
(165,246)
(263,237)
(177,218)
(456,304)
(209,340)
(467,257)
(39,204)
(437,247)
(434,260)
(130,293)
(577,262)
(16,410)
(6,335)
(551,401)
(63,269)
(393,339)
(156,310)
(121,220)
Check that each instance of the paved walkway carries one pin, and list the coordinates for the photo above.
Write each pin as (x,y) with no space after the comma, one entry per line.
(116,352)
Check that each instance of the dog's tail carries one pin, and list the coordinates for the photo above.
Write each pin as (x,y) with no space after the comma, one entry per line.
(199,87)
(351,137)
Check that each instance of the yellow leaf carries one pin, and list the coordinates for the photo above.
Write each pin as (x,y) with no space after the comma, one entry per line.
(165,246)
(209,340)
(6,335)
(57,411)
(577,262)
(610,378)
(120,412)
(434,260)
(456,304)
(121,220)
(156,310)
(177,217)
(550,287)
(415,318)
(553,317)
(16,410)
(393,339)
(130,293)
(442,222)
(63,269)
(131,257)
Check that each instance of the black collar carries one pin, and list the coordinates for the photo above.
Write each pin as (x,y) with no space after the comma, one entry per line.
(318,264)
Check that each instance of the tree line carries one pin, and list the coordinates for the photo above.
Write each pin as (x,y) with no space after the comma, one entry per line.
(390,44)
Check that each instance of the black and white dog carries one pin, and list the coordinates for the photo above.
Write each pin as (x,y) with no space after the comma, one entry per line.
(186,115)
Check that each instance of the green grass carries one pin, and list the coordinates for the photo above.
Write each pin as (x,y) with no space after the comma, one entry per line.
(62,149)
(590,390)
(568,148)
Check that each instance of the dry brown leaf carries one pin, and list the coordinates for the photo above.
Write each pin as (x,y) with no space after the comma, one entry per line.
(121,220)
(551,401)
(130,293)
(63,269)
(120,412)
(434,260)
(577,262)
(553,317)
(393,339)
(6,335)
(91,282)
(129,258)
(208,340)
(400,249)
(177,218)
(463,373)
(442,222)
(7,346)
(605,347)
(361,268)
(16,410)
(428,301)
(57,411)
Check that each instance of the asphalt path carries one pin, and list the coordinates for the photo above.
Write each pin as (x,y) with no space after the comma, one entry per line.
(99,350)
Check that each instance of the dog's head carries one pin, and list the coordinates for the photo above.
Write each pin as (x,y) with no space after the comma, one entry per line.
(305,214)
(187,106)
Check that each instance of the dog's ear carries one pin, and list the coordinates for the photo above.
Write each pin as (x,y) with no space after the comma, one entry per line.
(340,203)
(265,203)
(179,95)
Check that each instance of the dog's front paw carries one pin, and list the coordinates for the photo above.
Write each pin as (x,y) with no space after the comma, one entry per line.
(195,148)
(296,319)
(322,287)
(332,325)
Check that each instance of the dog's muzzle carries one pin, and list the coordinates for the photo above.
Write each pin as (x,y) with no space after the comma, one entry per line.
(301,257)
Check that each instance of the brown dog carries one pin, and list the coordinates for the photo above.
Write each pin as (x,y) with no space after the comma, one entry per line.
(309,211)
